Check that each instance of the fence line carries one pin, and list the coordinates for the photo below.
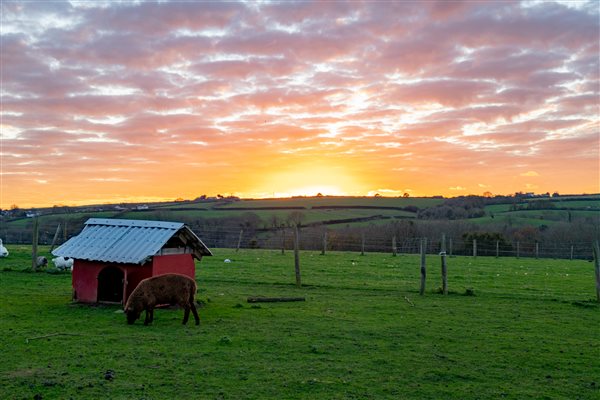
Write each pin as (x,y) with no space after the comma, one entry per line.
(360,241)
(314,239)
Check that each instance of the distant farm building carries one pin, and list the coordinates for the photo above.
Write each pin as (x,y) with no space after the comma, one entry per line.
(111,256)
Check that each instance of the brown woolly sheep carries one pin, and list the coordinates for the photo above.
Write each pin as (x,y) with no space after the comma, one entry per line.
(162,289)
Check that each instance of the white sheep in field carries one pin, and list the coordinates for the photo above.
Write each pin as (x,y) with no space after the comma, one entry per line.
(3,251)
(63,264)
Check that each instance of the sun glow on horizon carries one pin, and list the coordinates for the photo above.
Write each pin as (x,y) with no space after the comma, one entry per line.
(311,180)
(311,191)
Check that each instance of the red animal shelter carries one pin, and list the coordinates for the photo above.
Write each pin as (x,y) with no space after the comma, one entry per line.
(111,256)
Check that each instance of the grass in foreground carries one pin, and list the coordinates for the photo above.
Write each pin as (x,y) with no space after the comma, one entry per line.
(529,332)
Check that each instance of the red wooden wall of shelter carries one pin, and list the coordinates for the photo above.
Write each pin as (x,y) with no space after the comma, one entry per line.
(87,276)
(112,256)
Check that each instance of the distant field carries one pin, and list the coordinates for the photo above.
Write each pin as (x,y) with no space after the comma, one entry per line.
(344,211)
(535,217)
(206,210)
(21,222)
(311,216)
(557,215)
(527,333)
(588,208)
(583,204)
(195,205)
(309,202)
(497,208)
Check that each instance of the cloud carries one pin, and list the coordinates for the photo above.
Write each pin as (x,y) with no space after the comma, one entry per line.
(109,179)
(226,93)
(453,93)
(530,174)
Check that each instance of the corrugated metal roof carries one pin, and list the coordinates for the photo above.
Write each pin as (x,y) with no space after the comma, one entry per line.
(126,241)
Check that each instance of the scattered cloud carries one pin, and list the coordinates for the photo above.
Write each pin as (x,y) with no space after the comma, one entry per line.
(189,97)
(530,174)
(109,180)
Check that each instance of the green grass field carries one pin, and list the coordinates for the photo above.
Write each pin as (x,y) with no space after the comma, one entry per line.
(529,332)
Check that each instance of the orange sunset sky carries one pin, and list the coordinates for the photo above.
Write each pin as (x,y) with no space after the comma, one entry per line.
(136,101)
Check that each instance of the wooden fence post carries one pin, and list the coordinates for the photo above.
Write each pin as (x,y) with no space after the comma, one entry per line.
(239,241)
(282,241)
(394,247)
(324,242)
(34,243)
(423,248)
(518,248)
(571,253)
(450,244)
(297,255)
(497,248)
(444,266)
(124,289)
(537,249)
(362,243)
(475,248)
(597,269)
(55,238)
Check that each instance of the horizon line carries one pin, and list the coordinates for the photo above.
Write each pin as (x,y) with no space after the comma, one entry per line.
(238,198)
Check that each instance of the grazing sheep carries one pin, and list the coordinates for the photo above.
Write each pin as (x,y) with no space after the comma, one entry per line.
(162,289)
(41,261)
(62,263)
(3,251)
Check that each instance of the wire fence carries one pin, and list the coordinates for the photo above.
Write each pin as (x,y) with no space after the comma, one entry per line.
(361,241)
(332,240)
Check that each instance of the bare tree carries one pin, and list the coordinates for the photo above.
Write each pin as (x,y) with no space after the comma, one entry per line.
(295,218)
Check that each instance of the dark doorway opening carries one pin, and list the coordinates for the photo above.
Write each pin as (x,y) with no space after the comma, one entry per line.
(110,285)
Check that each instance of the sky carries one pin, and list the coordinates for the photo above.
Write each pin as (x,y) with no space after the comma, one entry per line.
(106,102)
